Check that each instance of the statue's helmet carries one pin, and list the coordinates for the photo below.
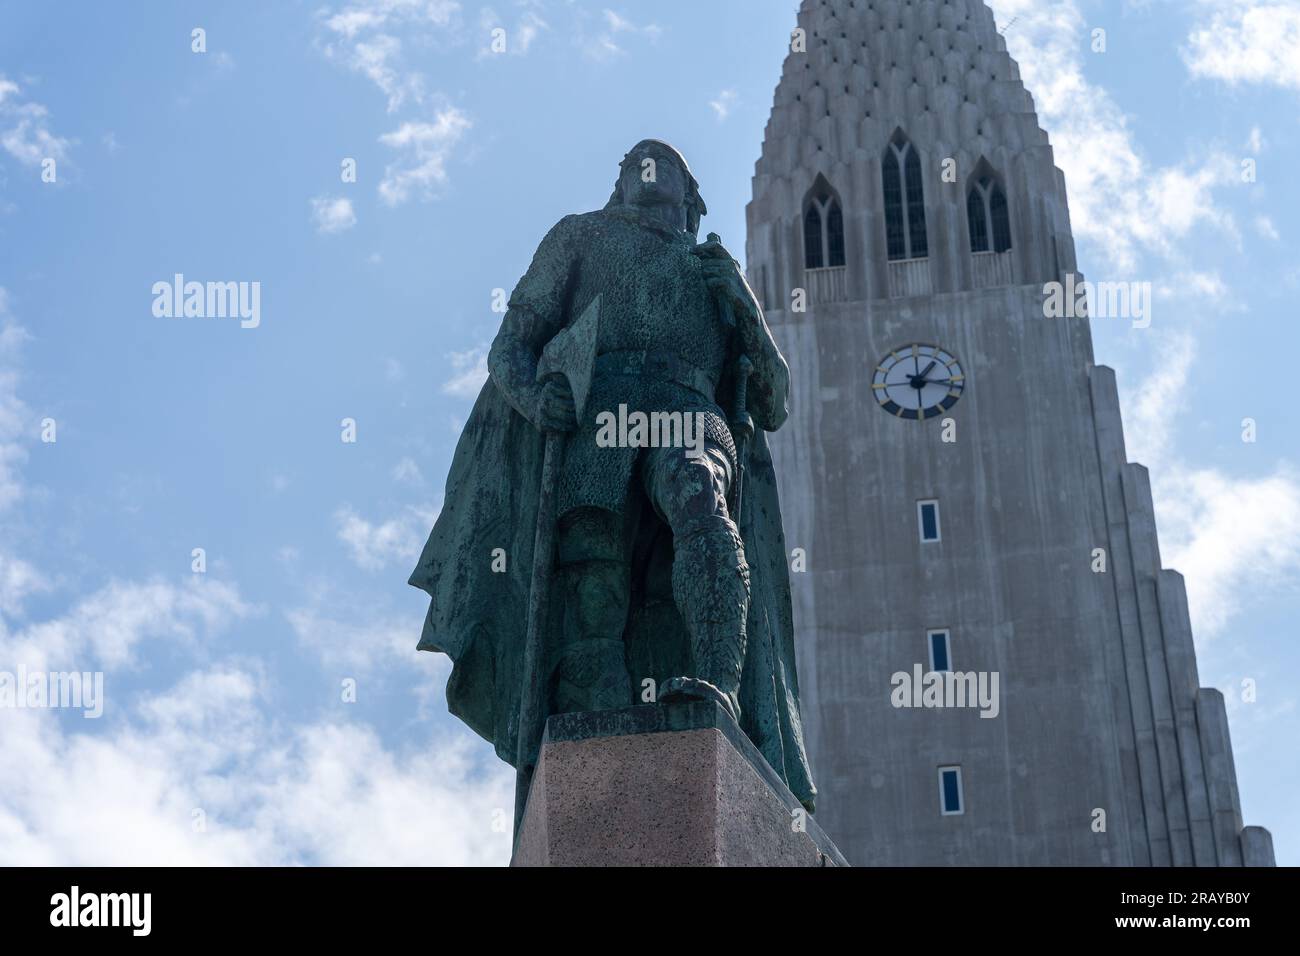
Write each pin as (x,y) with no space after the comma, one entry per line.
(663,152)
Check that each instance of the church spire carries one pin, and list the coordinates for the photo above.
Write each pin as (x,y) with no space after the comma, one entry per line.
(860,72)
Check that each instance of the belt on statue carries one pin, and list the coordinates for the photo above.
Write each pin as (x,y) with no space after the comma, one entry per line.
(660,365)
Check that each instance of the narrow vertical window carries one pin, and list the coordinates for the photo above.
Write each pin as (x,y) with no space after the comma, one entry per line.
(812,238)
(904,192)
(835,235)
(940,650)
(951,797)
(823,228)
(987,217)
(927,515)
(978,220)
(895,234)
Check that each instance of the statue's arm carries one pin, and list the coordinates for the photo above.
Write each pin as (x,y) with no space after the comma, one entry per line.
(535,313)
(768,388)
(768,393)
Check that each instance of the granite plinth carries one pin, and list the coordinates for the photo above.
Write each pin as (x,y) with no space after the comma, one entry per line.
(662,785)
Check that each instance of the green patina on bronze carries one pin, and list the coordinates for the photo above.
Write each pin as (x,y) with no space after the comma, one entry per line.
(669,565)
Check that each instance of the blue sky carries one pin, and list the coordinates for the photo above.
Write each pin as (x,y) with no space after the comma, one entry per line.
(225,737)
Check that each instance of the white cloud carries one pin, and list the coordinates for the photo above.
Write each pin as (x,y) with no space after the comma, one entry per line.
(620,24)
(1119,204)
(360,649)
(1264,226)
(603,45)
(373,547)
(723,103)
(363,36)
(327,792)
(109,625)
(208,769)
(24,128)
(1246,41)
(471,372)
(1204,288)
(1231,537)
(332,214)
(18,579)
(1148,423)
(408,472)
(427,147)
(1234,539)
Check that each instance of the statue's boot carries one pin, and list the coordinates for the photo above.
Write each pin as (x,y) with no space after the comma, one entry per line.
(711,588)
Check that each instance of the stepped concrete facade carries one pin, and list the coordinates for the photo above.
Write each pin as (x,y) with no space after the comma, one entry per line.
(906,196)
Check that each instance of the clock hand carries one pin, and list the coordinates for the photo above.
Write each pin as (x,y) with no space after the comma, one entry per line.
(925,381)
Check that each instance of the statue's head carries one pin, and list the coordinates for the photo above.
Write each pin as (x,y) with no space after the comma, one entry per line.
(656,174)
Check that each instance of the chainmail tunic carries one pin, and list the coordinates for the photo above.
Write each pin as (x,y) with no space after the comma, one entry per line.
(654,301)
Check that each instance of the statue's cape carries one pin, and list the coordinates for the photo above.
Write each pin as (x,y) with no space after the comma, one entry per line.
(477,567)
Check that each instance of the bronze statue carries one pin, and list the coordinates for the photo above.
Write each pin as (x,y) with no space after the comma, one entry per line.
(578,566)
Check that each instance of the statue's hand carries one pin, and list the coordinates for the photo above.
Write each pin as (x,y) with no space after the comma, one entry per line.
(555,408)
(723,277)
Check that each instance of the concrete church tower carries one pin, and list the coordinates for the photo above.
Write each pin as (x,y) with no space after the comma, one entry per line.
(911,308)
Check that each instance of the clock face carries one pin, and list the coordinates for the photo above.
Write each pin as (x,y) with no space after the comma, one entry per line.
(918,382)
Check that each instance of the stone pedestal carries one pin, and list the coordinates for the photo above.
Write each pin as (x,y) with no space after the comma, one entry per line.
(662,785)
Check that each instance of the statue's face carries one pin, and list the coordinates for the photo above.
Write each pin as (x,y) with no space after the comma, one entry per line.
(653,178)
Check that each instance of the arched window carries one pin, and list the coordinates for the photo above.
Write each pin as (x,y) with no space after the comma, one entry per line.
(986,214)
(823,228)
(904,201)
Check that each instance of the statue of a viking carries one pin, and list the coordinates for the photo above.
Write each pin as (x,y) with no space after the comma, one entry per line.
(665,562)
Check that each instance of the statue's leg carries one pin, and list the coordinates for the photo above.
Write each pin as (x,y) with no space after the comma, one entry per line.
(591,668)
(710,576)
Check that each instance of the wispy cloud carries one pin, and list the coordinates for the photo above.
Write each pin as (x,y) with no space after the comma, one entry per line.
(470,372)
(408,472)
(1264,226)
(371,37)
(364,37)
(202,774)
(425,147)
(1231,536)
(604,42)
(208,767)
(332,214)
(1120,203)
(1246,41)
(723,103)
(25,132)
(373,546)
